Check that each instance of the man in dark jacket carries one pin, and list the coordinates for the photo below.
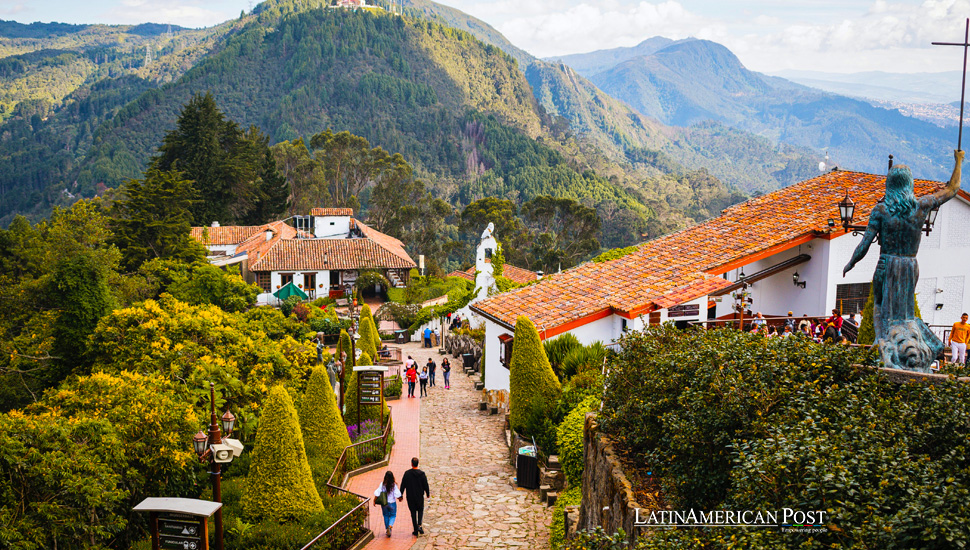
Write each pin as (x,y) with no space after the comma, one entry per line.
(414,486)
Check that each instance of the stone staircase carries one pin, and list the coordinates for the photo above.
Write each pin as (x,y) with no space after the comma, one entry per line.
(394,279)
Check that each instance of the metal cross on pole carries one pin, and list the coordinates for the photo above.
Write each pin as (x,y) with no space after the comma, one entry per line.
(963,86)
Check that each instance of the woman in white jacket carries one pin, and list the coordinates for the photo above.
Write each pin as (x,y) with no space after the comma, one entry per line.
(390,488)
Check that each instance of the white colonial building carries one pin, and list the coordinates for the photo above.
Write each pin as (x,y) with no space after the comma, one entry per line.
(692,275)
(321,253)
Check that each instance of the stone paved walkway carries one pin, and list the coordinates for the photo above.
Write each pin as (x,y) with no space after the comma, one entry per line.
(463,451)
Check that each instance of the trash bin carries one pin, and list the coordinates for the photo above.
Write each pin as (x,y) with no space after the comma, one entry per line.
(402,336)
(527,468)
(468,361)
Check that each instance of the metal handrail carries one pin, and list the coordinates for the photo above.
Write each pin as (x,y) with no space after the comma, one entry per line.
(338,467)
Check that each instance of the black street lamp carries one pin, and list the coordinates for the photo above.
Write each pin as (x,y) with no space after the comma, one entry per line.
(847,213)
(796,278)
(216,451)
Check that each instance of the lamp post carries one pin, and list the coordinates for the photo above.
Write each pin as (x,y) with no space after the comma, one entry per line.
(847,212)
(796,278)
(215,452)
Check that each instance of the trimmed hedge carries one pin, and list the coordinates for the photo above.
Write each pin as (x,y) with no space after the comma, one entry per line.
(324,433)
(368,334)
(532,382)
(557,531)
(570,439)
(365,313)
(280,485)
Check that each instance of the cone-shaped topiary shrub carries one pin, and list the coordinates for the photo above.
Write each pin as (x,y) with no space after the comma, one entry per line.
(531,380)
(369,412)
(570,439)
(324,433)
(365,313)
(279,486)
(366,340)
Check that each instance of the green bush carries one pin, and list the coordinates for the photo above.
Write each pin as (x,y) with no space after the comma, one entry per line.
(569,436)
(583,358)
(365,313)
(368,335)
(289,304)
(394,387)
(531,377)
(280,486)
(324,433)
(588,383)
(677,400)
(557,531)
(557,349)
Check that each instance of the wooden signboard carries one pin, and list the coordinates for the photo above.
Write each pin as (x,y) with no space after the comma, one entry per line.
(371,387)
(178,523)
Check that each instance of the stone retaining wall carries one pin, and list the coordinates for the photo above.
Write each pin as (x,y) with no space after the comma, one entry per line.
(608,499)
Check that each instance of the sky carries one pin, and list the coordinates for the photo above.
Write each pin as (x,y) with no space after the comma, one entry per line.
(820,35)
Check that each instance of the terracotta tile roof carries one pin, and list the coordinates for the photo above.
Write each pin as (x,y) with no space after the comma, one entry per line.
(222,235)
(463,274)
(394,246)
(332,212)
(327,254)
(686,265)
(285,252)
(515,274)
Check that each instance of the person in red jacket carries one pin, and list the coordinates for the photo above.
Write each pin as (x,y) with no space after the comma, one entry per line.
(411,375)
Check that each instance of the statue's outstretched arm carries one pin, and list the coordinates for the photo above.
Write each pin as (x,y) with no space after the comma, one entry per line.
(872,229)
(953,186)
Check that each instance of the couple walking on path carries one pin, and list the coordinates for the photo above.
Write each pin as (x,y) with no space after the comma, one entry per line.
(414,485)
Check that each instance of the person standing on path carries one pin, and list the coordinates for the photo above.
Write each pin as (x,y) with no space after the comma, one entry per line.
(411,376)
(959,335)
(427,337)
(393,496)
(414,485)
(423,377)
(431,368)
(446,369)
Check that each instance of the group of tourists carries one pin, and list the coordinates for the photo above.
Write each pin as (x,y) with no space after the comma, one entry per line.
(426,376)
(817,329)
(414,487)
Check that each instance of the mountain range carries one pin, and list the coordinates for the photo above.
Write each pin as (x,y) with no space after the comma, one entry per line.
(689,82)
(83,107)
(416,84)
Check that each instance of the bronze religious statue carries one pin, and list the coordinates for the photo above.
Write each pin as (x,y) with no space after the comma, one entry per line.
(904,342)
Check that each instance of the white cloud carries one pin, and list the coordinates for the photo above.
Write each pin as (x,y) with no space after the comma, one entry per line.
(11,8)
(185,13)
(585,26)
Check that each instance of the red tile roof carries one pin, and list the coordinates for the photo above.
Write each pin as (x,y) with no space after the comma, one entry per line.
(332,212)
(285,252)
(222,235)
(327,254)
(684,266)
(515,274)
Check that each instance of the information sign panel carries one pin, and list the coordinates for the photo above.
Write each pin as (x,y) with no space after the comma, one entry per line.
(370,387)
(181,532)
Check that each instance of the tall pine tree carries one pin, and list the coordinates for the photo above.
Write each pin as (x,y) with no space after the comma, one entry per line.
(233,172)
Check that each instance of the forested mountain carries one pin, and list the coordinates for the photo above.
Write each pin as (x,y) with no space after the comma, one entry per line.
(696,81)
(615,128)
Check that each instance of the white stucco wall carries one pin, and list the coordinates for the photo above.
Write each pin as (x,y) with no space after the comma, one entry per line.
(328,227)
(227,249)
(944,259)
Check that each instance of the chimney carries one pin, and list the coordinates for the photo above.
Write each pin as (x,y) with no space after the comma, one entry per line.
(215,224)
(269,234)
(539,274)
